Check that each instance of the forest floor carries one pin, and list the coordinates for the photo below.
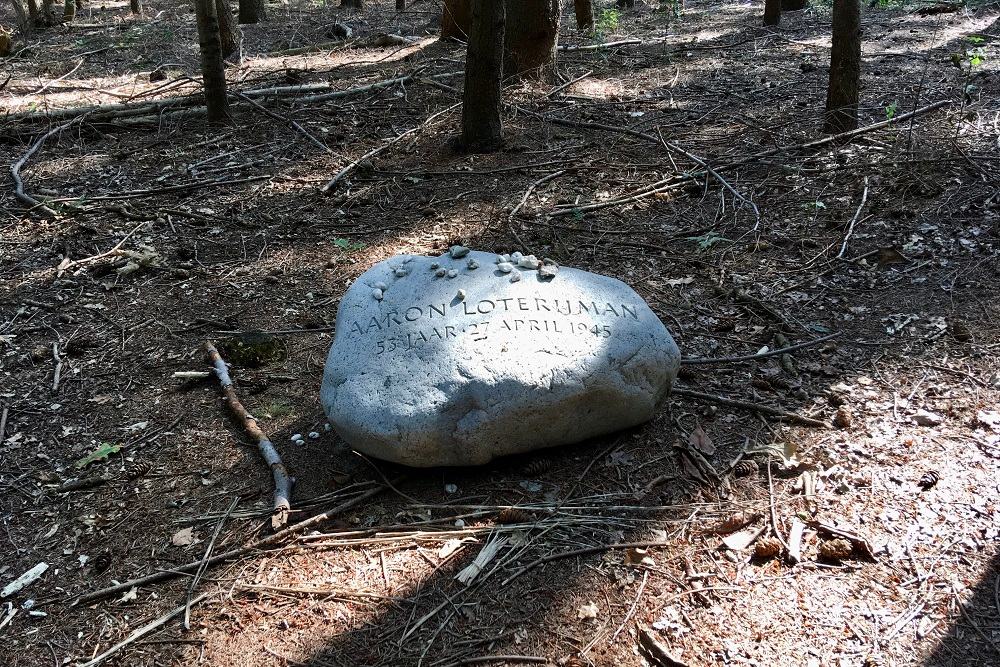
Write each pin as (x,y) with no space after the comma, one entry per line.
(890,239)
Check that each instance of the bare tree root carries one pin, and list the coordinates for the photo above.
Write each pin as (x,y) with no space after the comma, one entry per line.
(282,481)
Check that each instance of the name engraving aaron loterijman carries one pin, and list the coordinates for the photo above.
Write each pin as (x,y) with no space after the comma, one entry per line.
(424,323)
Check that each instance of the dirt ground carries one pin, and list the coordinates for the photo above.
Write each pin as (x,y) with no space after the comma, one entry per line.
(890,239)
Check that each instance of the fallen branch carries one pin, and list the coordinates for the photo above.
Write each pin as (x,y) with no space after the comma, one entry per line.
(531,188)
(288,121)
(282,481)
(66,264)
(15,170)
(140,633)
(747,405)
(270,540)
(690,361)
(595,47)
(854,220)
(331,185)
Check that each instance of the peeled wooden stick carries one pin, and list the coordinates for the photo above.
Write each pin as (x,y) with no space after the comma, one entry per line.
(282,481)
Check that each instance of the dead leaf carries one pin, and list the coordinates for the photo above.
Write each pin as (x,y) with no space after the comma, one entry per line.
(890,255)
(183,537)
(700,441)
(588,611)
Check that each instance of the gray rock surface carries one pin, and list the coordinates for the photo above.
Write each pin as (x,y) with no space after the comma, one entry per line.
(435,370)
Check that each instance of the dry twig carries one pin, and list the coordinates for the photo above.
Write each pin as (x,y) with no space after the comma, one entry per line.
(747,405)
(282,481)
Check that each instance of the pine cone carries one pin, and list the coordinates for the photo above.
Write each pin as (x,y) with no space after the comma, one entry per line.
(843,418)
(767,547)
(928,480)
(509,515)
(101,563)
(537,467)
(137,469)
(746,468)
(837,549)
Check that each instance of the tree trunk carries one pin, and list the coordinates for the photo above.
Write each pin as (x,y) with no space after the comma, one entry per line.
(24,22)
(212,69)
(69,11)
(6,43)
(793,5)
(584,14)
(400,5)
(481,125)
(228,32)
(253,11)
(531,37)
(845,68)
(356,4)
(772,12)
(36,20)
(136,6)
(625,4)
(48,14)
(456,19)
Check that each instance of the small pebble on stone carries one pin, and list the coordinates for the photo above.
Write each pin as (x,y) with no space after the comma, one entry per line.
(377,294)
(313,435)
(440,273)
(400,272)
(515,257)
(515,277)
(505,267)
(381,285)
(460,295)
(458,252)
(435,266)
(452,273)
(473,265)
(503,259)
(529,262)
(548,270)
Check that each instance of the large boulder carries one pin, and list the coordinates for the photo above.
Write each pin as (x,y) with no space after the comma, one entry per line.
(459,359)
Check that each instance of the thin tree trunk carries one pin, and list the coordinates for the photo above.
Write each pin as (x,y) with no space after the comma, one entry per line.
(625,4)
(48,14)
(212,68)
(5,42)
(253,11)
(456,19)
(531,37)
(793,5)
(228,31)
(584,14)
(356,4)
(772,12)
(33,14)
(400,5)
(69,11)
(136,7)
(845,68)
(23,20)
(481,124)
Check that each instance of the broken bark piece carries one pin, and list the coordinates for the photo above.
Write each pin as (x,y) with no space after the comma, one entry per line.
(656,651)
(743,539)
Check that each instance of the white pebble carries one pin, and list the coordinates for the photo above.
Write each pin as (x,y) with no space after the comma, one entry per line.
(452,273)
(460,295)
(435,266)
(313,435)
(505,267)
(459,523)
(458,252)
(400,272)
(296,436)
(501,259)
(377,294)
(473,265)
(450,488)
(381,285)
(440,273)
(529,262)
(516,276)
